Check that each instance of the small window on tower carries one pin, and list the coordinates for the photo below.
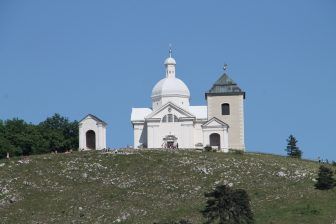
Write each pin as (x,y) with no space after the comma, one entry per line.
(164,119)
(175,118)
(225,109)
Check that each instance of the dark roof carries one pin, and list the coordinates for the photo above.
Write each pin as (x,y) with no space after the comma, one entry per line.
(95,118)
(225,86)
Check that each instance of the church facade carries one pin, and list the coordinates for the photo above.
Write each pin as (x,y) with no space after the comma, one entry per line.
(172,122)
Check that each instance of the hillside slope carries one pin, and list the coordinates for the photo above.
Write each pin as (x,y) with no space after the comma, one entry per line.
(149,186)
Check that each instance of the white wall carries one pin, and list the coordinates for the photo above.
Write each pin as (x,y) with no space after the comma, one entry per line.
(140,134)
(198,134)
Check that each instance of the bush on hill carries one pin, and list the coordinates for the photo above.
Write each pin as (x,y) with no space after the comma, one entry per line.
(227,205)
(325,180)
(182,221)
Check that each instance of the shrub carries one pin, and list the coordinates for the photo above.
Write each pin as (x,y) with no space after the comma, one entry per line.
(182,221)
(208,148)
(237,151)
(325,180)
(227,205)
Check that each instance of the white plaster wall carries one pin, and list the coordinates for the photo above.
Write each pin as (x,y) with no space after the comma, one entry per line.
(198,134)
(152,135)
(140,135)
(99,129)
(186,135)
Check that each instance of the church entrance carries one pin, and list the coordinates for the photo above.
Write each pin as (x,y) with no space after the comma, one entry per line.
(170,142)
(90,139)
(215,140)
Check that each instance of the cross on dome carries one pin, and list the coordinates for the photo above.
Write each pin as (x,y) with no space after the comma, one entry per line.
(170,50)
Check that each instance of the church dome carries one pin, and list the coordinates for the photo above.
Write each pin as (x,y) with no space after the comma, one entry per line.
(170,61)
(170,86)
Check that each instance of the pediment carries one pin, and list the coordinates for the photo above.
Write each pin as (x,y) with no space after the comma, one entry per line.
(214,122)
(93,117)
(170,108)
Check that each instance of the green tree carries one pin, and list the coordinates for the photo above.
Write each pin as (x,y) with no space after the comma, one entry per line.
(15,133)
(292,149)
(60,134)
(5,147)
(227,205)
(325,180)
(21,138)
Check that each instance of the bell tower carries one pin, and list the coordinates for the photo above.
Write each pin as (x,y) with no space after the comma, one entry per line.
(225,102)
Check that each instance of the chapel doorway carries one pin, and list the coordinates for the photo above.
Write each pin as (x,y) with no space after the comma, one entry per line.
(90,139)
(170,144)
(215,140)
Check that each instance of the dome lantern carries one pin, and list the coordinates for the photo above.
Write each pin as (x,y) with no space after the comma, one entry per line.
(170,89)
(170,65)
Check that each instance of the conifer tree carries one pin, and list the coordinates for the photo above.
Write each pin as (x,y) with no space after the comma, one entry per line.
(227,205)
(292,149)
(325,180)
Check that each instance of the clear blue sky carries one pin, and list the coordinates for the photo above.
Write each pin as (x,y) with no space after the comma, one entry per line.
(104,57)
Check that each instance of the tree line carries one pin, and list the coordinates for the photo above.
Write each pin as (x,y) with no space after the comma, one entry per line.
(56,133)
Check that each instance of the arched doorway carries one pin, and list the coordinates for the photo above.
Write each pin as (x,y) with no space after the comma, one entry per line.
(215,140)
(90,139)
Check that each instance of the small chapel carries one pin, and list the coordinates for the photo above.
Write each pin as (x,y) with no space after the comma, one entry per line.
(171,122)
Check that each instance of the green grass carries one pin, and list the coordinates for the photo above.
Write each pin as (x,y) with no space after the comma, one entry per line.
(150,186)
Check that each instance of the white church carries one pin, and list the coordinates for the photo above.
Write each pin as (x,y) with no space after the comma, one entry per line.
(171,122)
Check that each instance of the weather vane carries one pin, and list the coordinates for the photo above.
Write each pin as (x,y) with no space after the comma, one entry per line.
(225,67)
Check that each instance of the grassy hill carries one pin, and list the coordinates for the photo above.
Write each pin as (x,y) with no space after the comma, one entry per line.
(149,186)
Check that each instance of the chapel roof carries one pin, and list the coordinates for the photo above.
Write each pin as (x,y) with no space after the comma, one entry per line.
(94,118)
(139,114)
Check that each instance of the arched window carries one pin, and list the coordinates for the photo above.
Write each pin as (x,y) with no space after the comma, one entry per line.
(225,109)
(170,118)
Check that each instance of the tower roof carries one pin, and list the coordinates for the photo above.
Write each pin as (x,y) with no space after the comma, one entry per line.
(225,86)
